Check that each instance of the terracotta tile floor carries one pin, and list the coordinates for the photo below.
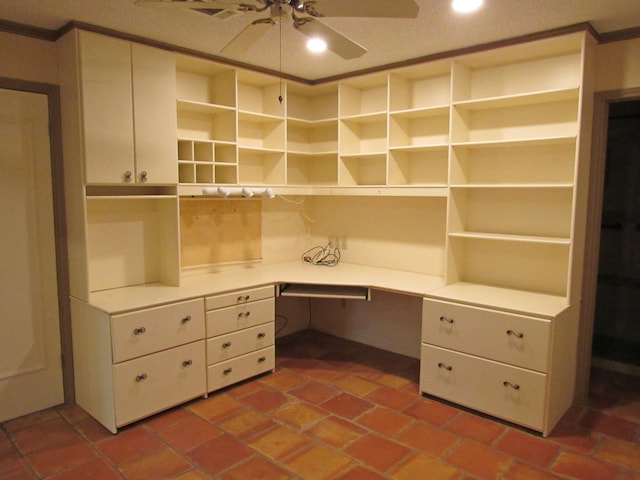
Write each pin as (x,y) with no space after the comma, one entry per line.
(334,409)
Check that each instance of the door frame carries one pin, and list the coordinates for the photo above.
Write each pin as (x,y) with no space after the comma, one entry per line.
(59,220)
(602,100)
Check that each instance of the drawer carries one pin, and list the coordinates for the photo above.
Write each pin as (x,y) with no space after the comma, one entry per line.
(238,297)
(240,368)
(153,329)
(509,338)
(149,384)
(224,347)
(237,317)
(511,393)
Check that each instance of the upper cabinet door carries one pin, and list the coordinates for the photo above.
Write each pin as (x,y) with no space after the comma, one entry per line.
(154,108)
(105,66)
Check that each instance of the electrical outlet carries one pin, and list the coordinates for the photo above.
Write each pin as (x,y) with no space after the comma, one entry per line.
(343,242)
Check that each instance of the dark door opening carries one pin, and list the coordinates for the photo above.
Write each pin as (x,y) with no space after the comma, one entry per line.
(616,340)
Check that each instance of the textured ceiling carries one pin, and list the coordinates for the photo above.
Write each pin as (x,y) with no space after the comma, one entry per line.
(437,29)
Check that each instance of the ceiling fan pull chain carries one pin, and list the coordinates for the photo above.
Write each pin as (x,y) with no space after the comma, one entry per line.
(280,27)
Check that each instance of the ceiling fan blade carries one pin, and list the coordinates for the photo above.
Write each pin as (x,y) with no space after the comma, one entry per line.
(248,36)
(336,42)
(362,8)
(200,4)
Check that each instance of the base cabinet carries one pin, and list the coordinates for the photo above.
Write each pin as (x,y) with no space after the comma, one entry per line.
(516,367)
(240,335)
(133,365)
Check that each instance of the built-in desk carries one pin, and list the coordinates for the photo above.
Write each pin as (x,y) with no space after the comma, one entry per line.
(252,275)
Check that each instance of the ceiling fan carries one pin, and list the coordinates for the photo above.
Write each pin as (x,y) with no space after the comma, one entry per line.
(303,13)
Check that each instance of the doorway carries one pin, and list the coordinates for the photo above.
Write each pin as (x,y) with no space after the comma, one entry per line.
(616,332)
(34,329)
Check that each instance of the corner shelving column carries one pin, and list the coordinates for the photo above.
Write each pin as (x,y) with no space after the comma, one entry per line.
(363,137)
(261,129)
(206,106)
(513,166)
(419,99)
(312,135)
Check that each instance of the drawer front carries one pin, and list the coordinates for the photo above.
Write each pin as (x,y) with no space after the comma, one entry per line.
(153,329)
(149,384)
(509,338)
(501,390)
(237,317)
(240,368)
(224,347)
(239,297)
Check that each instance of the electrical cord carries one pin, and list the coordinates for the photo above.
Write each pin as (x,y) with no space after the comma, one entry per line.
(327,256)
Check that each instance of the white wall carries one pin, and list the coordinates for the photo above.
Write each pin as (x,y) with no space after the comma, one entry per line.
(27,58)
(618,65)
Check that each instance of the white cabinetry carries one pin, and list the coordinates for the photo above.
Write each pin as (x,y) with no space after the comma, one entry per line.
(131,365)
(240,335)
(517,367)
(127,113)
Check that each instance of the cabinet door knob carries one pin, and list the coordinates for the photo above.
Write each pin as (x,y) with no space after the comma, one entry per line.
(445,366)
(139,330)
(187,363)
(445,319)
(141,377)
(261,335)
(515,386)
(227,371)
(143,176)
(127,176)
(243,298)
(226,344)
(186,319)
(262,359)
(515,334)
(244,314)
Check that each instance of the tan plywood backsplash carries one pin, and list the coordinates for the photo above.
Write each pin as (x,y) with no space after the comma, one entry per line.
(218,231)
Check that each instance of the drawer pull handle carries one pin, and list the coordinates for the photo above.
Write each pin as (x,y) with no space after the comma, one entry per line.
(243,298)
(226,344)
(139,330)
(515,334)
(227,371)
(186,320)
(515,386)
(244,314)
(446,367)
(141,377)
(262,359)
(187,363)
(445,319)
(261,335)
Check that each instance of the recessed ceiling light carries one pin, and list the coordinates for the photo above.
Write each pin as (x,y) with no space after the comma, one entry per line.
(465,6)
(316,45)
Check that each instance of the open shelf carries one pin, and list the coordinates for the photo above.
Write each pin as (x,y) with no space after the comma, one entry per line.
(312,104)
(312,169)
(424,166)
(363,96)
(368,169)
(421,88)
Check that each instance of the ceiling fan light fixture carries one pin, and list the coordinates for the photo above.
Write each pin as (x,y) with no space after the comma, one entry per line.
(316,45)
(466,6)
